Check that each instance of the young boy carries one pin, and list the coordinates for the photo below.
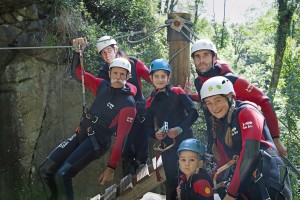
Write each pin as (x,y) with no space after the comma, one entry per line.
(168,105)
(194,183)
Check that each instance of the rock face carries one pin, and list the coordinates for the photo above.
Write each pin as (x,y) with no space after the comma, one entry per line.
(40,104)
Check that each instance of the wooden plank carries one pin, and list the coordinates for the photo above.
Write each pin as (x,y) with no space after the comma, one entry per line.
(142,172)
(111,192)
(143,186)
(97,197)
(125,183)
(134,187)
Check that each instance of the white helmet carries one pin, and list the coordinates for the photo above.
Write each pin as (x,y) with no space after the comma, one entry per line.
(216,85)
(105,41)
(122,63)
(204,44)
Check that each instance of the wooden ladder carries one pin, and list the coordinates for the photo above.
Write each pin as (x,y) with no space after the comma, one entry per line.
(134,187)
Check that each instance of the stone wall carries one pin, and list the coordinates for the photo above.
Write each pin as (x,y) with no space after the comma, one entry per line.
(40,104)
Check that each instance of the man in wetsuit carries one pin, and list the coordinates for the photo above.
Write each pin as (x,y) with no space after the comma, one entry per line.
(136,151)
(205,56)
(113,111)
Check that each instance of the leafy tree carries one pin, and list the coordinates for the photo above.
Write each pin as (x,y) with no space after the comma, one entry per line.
(288,102)
(286,10)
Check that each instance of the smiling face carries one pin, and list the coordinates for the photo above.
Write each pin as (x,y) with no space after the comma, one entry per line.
(118,77)
(108,54)
(189,162)
(160,79)
(203,60)
(217,105)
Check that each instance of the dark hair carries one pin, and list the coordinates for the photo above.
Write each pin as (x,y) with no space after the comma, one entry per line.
(121,54)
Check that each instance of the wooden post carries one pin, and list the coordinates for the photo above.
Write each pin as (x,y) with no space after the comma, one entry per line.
(180,62)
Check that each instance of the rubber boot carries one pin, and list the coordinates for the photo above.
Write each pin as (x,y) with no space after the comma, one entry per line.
(63,179)
(128,167)
(47,172)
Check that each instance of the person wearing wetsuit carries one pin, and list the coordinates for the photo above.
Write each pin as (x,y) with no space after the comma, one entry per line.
(204,54)
(113,110)
(136,151)
(241,131)
(195,183)
(168,105)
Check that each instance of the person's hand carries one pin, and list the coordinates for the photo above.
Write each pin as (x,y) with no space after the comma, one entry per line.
(178,191)
(280,147)
(214,150)
(227,197)
(173,132)
(187,87)
(159,135)
(79,43)
(106,176)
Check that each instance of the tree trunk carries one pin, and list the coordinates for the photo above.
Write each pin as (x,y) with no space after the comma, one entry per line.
(285,13)
(223,26)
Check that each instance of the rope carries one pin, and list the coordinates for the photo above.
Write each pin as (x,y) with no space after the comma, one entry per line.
(143,39)
(84,109)
(38,47)
(175,54)
(128,35)
(221,169)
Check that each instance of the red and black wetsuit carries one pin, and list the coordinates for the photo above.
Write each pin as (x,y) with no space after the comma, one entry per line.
(198,187)
(250,135)
(244,91)
(113,110)
(136,149)
(176,108)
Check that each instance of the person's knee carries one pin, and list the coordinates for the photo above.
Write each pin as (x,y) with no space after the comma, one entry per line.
(48,168)
(64,172)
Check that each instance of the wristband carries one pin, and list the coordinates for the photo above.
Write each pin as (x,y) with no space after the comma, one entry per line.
(179,129)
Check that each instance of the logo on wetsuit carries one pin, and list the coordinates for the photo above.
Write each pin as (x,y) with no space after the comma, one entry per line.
(234,131)
(247,125)
(129,119)
(249,88)
(110,105)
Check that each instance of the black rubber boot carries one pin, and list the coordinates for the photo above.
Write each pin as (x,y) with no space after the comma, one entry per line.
(63,179)
(47,172)
(128,167)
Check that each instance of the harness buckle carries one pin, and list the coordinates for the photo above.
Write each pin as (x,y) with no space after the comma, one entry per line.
(258,177)
(91,133)
(88,116)
(95,120)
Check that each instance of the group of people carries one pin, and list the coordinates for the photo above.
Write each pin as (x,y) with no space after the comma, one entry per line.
(235,128)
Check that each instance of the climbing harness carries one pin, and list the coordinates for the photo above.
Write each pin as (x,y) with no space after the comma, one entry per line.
(157,147)
(164,130)
(221,169)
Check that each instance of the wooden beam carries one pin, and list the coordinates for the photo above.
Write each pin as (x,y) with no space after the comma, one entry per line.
(179,49)
(143,186)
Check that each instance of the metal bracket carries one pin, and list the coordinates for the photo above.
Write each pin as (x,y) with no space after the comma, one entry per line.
(177,23)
